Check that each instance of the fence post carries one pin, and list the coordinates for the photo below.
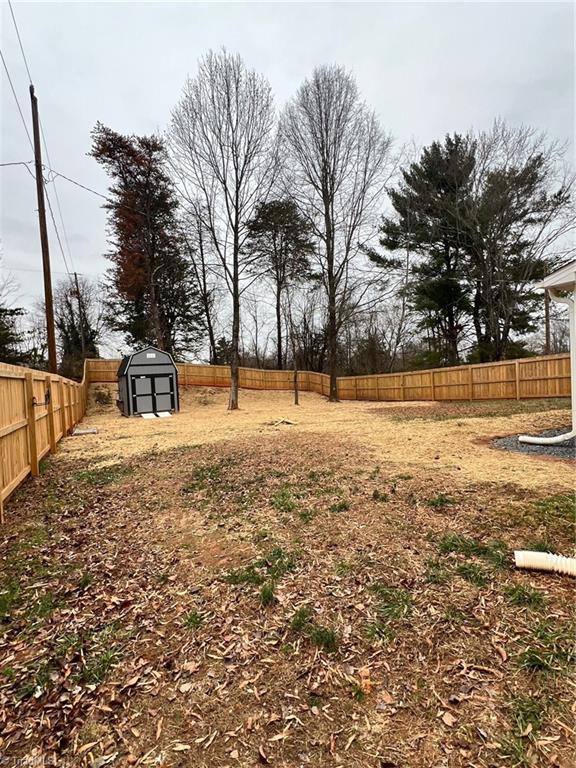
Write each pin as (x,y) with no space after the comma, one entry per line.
(1,487)
(471,382)
(66,406)
(517,372)
(433,386)
(402,388)
(62,414)
(50,409)
(31,416)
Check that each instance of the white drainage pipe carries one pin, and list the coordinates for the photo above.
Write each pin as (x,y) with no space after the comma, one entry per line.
(556,440)
(570,302)
(545,561)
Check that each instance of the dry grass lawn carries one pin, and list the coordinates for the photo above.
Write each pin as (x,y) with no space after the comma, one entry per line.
(327,585)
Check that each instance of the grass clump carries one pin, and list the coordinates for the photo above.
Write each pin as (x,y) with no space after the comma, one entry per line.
(85,580)
(439,501)
(436,573)
(192,620)
(495,552)
(340,506)
(560,505)
(203,477)
(267,594)
(283,501)
(541,545)
(527,712)
(473,573)
(324,638)
(378,630)
(525,596)
(549,650)
(102,476)
(68,643)
(514,751)
(321,636)
(301,619)
(45,605)
(247,575)
(379,495)
(8,599)
(99,666)
(276,564)
(393,602)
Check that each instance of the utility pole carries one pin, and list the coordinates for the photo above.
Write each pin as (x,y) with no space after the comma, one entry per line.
(51,336)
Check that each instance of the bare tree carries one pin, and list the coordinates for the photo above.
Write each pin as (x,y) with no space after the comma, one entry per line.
(200,252)
(222,140)
(339,159)
(256,333)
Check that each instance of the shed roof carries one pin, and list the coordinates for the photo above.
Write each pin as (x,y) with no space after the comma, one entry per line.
(563,279)
(127,360)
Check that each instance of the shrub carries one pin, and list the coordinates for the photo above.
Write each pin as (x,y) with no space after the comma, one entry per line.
(103,396)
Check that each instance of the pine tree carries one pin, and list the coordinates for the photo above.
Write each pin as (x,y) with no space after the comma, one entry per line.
(280,245)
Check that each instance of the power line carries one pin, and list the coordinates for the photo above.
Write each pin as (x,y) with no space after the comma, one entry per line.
(88,189)
(22,51)
(54,174)
(56,229)
(16,99)
(56,196)
(10,268)
(20,42)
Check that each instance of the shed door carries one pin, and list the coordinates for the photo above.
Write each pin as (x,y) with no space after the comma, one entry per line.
(152,393)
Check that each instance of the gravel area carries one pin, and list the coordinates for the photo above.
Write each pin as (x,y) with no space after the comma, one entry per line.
(566,450)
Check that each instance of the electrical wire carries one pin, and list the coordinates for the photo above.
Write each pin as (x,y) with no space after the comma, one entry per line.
(56,230)
(16,99)
(59,207)
(20,42)
(56,195)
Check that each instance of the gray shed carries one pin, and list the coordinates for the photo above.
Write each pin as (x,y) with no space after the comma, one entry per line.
(147,382)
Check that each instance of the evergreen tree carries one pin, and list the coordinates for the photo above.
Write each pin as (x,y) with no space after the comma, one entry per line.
(280,245)
(152,294)
(10,337)
(432,205)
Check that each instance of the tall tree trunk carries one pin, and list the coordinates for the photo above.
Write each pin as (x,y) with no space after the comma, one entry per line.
(205,296)
(156,325)
(332,316)
(234,353)
(279,356)
(452,340)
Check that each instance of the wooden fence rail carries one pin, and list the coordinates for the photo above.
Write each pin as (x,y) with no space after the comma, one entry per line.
(531,377)
(31,424)
(37,409)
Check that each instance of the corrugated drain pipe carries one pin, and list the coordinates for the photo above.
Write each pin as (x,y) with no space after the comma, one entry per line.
(545,561)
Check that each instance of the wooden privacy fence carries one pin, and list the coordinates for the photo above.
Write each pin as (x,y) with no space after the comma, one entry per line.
(37,409)
(511,379)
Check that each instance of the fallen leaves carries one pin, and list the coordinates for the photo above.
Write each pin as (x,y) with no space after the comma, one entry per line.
(244,685)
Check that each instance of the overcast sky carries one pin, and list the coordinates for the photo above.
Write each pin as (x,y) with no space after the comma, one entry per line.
(427,69)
